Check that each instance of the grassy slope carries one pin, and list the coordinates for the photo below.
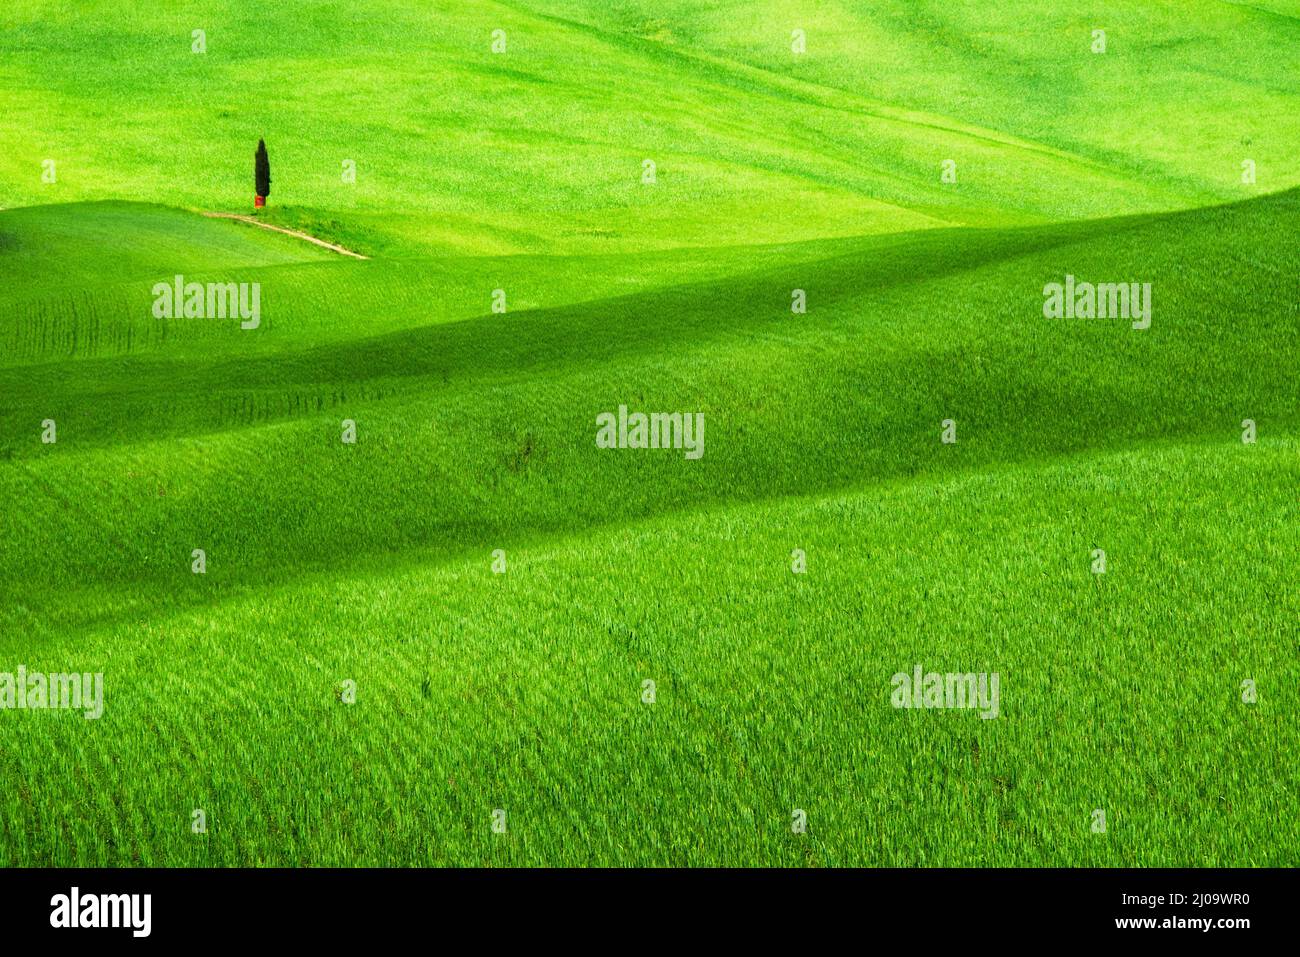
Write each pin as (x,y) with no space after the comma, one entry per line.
(521,691)
(540,148)
(371,562)
(1183,93)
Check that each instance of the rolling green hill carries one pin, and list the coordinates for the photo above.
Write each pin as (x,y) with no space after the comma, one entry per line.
(540,148)
(329,563)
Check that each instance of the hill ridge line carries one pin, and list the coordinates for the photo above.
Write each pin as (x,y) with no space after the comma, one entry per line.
(545,541)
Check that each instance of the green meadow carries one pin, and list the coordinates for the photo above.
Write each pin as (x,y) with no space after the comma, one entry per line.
(639,657)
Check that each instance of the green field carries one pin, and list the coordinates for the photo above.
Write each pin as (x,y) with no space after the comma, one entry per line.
(370,566)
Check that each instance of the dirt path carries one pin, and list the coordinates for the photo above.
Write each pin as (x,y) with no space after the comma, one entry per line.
(288,232)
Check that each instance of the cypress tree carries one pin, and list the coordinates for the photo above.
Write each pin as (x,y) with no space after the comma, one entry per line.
(262,170)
